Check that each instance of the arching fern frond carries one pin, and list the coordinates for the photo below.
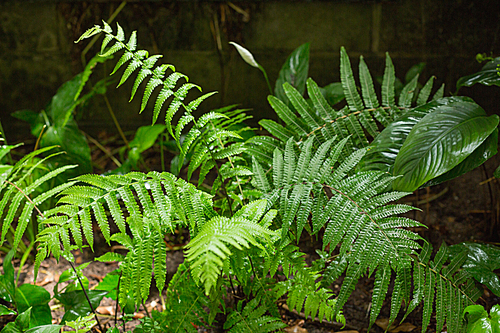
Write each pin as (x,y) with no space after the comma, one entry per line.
(149,204)
(315,188)
(207,139)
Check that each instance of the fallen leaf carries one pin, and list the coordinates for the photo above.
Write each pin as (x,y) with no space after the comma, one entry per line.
(138,315)
(404,327)
(295,329)
(46,280)
(106,310)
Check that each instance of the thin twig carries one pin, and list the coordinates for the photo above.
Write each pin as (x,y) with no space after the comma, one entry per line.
(117,299)
(26,196)
(104,150)
(115,121)
(86,296)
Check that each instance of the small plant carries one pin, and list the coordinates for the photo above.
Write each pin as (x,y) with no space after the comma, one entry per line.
(327,173)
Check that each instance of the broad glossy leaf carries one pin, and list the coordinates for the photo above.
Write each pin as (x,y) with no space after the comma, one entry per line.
(496,174)
(6,311)
(110,284)
(488,76)
(36,298)
(45,329)
(76,304)
(385,147)
(478,320)
(482,261)
(74,143)
(294,71)
(440,141)
(482,153)
(333,93)
(21,324)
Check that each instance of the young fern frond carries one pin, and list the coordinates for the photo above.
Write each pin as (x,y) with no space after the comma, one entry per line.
(252,318)
(215,240)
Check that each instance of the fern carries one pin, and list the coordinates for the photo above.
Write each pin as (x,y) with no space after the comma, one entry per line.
(216,238)
(150,215)
(359,121)
(208,138)
(251,318)
(16,189)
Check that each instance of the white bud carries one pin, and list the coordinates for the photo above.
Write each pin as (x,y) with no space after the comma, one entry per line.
(246,55)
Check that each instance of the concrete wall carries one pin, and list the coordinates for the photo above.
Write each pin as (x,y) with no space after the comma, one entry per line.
(37,53)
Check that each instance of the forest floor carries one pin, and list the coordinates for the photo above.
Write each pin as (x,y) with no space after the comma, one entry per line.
(461,210)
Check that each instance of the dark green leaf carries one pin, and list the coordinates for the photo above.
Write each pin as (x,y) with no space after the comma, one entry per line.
(488,76)
(482,261)
(76,304)
(496,174)
(74,143)
(333,93)
(7,283)
(482,153)
(36,298)
(146,136)
(383,150)
(21,324)
(45,329)
(294,71)
(440,141)
(478,320)
(109,284)
(35,119)
(6,311)
(414,71)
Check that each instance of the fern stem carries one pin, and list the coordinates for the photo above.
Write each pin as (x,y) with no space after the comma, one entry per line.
(26,196)
(117,293)
(86,296)
(104,150)
(328,122)
(118,127)
(219,175)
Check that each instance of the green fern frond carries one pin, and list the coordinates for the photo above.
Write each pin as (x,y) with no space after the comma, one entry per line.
(251,318)
(213,244)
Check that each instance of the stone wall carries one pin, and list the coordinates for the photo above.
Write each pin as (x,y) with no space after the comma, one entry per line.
(37,53)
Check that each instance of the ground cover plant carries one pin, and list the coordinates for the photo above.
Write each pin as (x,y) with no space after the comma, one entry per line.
(335,175)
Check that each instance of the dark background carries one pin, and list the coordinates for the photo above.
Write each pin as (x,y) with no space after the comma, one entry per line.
(37,53)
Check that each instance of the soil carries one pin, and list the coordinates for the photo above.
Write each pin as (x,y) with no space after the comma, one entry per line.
(461,210)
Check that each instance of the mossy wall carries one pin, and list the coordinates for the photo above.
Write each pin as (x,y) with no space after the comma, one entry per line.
(37,53)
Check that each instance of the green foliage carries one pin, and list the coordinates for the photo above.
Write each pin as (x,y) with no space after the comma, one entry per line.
(478,320)
(251,318)
(313,175)
(488,75)
(82,324)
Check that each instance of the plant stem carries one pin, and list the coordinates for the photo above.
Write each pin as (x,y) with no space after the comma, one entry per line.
(86,296)
(118,127)
(117,299)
